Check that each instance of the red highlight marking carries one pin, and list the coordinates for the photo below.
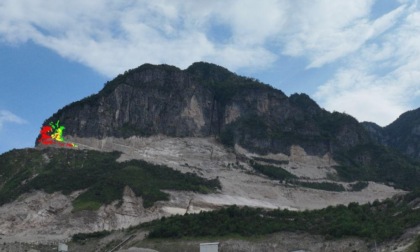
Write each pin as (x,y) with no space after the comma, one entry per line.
(45,137)
(52,134)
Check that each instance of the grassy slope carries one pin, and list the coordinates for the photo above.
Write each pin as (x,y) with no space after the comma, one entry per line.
(376,220)
(378,163)
(68,170)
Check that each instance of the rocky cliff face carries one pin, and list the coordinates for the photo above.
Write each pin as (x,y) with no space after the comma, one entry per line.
(146,101)
(376,132)
(38,217)
(403,134)
(208,100)
(203,121)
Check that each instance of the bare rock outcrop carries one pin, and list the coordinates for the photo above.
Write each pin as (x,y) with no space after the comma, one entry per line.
(41,217)
(207,100)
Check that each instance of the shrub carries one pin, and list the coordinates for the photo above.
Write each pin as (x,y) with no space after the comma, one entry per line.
(379,221)
(99,173)
(358,186)
(273,171)
(326,186)
(84,236)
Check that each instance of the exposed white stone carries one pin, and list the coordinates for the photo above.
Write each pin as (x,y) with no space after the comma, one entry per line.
(44,217)
(193,111)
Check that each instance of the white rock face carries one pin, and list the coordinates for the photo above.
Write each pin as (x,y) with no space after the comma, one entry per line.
(299,163)
(240,185)
(232,113)
(42,217)
(45,217)
(193,111)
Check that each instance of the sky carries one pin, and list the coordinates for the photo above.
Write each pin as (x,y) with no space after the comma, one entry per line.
(360,57)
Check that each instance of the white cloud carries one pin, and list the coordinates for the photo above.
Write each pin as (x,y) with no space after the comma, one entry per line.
(114,36)
(329,30)
(9,117)
(376,57)
(254,23)
(367,97)
(382,80)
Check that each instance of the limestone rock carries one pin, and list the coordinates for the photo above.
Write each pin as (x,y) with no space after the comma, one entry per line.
(208,100)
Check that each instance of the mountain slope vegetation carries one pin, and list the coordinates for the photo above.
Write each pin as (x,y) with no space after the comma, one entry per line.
(250,134)
(376,221)
(208,100)
(403,134)
(98,173)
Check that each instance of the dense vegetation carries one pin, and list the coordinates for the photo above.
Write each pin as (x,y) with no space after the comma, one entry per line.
(378,163)
(224,83)
(403,133)
(326,186)
(273,171)
(305,125)
(84,236)
(415,247)
(68,170)
(281,174)
(377,220)
(251,125)
(358,186)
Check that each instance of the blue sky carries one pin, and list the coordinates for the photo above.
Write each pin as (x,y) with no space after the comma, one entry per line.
(359,56)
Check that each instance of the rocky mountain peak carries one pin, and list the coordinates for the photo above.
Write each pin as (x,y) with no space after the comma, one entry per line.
(403,134)
(158,140)
(208,100)
(209,71)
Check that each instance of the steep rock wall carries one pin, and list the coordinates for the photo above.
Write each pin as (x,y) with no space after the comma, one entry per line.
(208,100)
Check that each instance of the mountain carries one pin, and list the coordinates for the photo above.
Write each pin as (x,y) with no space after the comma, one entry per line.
(158,141)
(377,133)
(208,100)
(403,134)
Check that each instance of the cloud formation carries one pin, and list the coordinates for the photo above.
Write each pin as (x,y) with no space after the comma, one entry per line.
(381,81)
(114,36)
(374,56)
(9,117)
